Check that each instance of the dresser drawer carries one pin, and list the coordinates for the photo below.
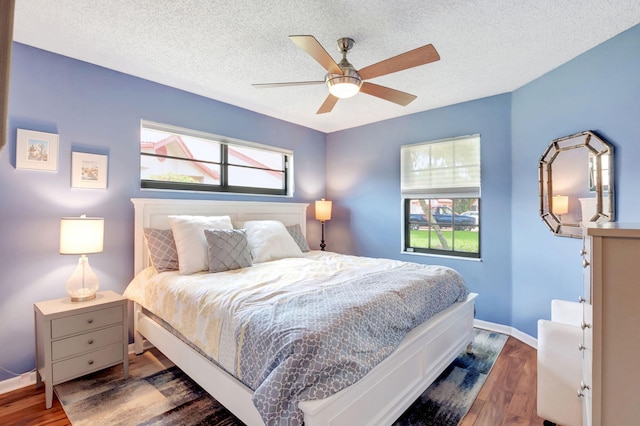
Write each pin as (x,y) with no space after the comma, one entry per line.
(85,342)
(87,321)
(83,364)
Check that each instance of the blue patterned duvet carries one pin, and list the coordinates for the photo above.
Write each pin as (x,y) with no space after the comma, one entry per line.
(310,337)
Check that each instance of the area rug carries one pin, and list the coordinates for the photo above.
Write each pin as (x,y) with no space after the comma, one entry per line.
(159,393)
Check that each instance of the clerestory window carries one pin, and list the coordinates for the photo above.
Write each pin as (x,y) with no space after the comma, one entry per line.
(173,158)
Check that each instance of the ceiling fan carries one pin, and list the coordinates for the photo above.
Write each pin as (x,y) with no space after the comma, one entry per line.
(344,81)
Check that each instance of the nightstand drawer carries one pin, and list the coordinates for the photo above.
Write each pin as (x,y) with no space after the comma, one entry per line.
(86,342)
(84,322)
(78,366)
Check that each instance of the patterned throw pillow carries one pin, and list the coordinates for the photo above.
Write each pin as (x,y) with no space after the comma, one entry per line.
(162,249)
(298,236)
(228,249)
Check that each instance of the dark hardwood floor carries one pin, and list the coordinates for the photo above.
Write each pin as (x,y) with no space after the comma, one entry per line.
(507,398)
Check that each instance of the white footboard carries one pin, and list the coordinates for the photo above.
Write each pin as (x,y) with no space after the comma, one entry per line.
(377,399)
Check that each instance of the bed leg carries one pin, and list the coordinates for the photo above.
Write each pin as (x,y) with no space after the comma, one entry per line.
(138,339)
(470,348)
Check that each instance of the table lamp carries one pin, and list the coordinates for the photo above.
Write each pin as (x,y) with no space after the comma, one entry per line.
(82,235)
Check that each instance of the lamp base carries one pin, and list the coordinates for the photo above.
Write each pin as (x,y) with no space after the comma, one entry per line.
(83,283)
(78,298)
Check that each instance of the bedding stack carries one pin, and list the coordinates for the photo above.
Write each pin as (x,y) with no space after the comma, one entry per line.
(290,323)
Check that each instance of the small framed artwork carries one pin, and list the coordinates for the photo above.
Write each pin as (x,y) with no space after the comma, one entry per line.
(37,151)
(88,170)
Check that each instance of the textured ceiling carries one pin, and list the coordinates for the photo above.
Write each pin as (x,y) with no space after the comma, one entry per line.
(219,48)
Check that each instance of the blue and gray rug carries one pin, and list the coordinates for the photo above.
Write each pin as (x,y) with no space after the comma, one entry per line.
(158,393)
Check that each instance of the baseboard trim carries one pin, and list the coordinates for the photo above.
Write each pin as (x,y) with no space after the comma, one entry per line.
(505,329)
(17,382)
(28,379)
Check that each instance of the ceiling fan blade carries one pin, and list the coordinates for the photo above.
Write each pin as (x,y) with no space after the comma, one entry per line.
(293,83)
(413,58)
(327,105)
(387,93)
(309,44)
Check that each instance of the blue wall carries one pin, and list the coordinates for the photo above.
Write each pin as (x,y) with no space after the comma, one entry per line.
(98,111)
(600,91)
(363,179)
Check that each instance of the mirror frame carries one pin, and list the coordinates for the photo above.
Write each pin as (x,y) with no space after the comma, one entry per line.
(600,158)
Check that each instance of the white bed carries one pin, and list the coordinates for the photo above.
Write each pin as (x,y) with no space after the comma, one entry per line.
(378,398)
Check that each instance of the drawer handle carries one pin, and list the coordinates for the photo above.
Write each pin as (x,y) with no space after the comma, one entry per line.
(90,342)
(581,347)
(583,252)
(585,325)
(90,321)
(90,362)
(585,263)
(583,386)
(581,299)
(580,393)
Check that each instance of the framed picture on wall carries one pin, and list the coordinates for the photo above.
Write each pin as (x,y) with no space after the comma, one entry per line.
(88,170)
(36,151)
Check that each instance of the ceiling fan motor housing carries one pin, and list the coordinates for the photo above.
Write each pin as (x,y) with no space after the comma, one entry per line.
(344,85)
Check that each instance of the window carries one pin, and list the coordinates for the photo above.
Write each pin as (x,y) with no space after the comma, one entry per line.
(440,184)
(188,160)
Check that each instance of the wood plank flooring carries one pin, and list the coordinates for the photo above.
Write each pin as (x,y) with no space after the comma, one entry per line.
(507,398)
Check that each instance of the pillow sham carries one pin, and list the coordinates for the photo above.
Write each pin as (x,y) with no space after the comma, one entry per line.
(270,240)
(298,237)
(191,244)
(227,249)
(162,249)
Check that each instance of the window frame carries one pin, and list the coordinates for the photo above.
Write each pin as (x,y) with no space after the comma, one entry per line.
(225,143)
(429,194)
(408,249)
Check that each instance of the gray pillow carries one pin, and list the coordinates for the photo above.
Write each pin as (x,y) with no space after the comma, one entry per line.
(227,249)
(298,237)
(162,249)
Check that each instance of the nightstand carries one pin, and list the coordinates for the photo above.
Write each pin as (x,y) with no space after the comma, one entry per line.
(76,338)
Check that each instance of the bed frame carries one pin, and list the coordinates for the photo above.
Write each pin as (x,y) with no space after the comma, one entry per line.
(378,398)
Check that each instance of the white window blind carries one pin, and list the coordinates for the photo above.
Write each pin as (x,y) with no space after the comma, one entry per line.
(448,168)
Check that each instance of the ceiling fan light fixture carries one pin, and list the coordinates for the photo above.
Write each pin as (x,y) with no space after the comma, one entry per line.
(343,86)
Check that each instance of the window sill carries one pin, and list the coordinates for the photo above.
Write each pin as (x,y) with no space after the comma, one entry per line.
(442,256)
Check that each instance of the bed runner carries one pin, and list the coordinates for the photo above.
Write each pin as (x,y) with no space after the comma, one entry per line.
(311,345)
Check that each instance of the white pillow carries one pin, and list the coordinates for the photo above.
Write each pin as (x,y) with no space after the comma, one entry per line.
(269,240)
(188,232)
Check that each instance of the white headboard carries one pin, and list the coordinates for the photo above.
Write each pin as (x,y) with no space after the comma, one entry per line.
(155,212)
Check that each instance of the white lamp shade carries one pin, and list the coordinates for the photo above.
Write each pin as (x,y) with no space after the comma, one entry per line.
(323,210)
(81,235)
(560,204)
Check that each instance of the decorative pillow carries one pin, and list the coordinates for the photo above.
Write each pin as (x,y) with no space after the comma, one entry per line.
(188,232)
(162,249)
(228,249)
(270,240)
(298,237)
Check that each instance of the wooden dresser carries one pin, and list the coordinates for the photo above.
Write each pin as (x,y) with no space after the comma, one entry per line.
(610,389)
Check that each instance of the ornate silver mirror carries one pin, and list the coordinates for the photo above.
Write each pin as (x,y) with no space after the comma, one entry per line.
(575,176)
